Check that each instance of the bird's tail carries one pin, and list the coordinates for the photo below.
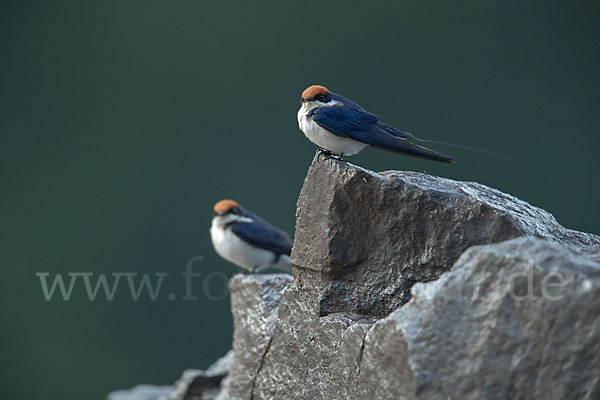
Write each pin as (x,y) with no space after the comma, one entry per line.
(391,139)
(469,148)
(409,136)
(388,142)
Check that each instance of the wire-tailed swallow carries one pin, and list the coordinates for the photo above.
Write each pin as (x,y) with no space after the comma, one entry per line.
(341,126)
(248,241)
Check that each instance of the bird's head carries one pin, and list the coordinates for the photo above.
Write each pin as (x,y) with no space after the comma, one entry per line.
(227,207)
(228,212)
(316,94)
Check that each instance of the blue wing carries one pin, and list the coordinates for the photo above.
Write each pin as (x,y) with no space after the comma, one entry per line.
(345,122)
(360,117)
(352,122)
(260,234)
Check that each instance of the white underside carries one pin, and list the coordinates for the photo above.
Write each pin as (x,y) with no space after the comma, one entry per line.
(229,246)
(323,138)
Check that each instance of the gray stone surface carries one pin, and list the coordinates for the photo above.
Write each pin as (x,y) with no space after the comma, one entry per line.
(476,333)
(311,357)
(196,384)
(141,392)
(363,239)
(254,300)
(491,329)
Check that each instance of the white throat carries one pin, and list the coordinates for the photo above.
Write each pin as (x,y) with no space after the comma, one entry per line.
(308,106)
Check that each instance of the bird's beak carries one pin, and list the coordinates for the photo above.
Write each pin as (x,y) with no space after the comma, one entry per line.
(219,214)
(304,100)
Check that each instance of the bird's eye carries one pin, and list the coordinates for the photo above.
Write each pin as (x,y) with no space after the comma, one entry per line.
(321,97)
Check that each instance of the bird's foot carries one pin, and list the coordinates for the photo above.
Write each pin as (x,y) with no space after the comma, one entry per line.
(324,153)
(336,156)
(249,271)
(329,154)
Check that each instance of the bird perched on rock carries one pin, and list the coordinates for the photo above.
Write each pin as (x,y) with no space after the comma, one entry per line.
(341,126)
(248,241)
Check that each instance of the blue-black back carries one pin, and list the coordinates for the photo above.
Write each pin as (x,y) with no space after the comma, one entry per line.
(261,234)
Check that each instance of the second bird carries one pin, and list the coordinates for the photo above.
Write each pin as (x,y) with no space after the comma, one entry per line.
(341,126)
(247,240)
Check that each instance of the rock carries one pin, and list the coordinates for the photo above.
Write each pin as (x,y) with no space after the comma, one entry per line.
(311,357)
(254,300)
(476,333)
(141,392)
(254,304)
(491,329)
(363,239)
(409,286)
(196,384)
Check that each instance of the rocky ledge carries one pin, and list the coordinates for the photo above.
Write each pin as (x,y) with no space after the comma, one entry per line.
(409,286)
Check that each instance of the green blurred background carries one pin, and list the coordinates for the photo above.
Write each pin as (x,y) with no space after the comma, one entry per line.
(122,122)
